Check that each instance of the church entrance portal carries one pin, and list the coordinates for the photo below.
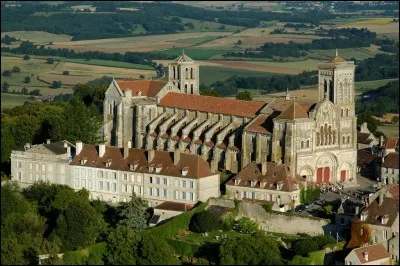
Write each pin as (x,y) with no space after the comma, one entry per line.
(323,175)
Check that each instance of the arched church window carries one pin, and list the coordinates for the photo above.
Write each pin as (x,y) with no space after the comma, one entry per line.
(326,134)
(302,144)
(348,139)
(185,88)
(333,137)
(347,112)
(325,86)
(110,109)
(331,91)
(344,140)
(322,136)
(308,143)
(317,143)
(191,88)
(341,112)
(174,70)
(191,73)
(187,73)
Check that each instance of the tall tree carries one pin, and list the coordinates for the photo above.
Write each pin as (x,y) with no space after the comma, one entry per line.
(155,251)
(122,246)
(133,214)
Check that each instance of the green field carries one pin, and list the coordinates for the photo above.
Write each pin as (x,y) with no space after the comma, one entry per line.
(209,74)
(108,63)
(389,131)
(196,54)
(200,25)
(9,100)
(196,41)
(363,86)
(38,36)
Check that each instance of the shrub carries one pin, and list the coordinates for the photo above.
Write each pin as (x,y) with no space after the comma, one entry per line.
(56,84)
(27,80)
(27,57)
(305,246)
(204,221)
(183,247)
(246,226)
(50,60)
(16,69)
(267,207)
(7,73)
(228,220)
(66,72)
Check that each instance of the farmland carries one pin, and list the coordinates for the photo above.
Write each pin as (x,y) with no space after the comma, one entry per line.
(38,36)
(389,131)
(9,100)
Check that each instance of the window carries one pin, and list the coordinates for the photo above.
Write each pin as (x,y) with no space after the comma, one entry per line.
(125,177)
(114,175)
(150,191)
(19,176)
(341,221)
(30,166)
(157,180)
(164,193)
(30,176)
(375,239)
(83,182)
(76,182)
(37,167)
(191,184)
(184,195)
(384,234)
(361,231)
(386,170)
(151,180)
(125,188)
(392,170)
(176,183)
(108,186)
(176,194)
(114,187)
(89,172)
(302,144)
(19,165)
(43,167)
(157,192)
(90,184)
(83,172)
(183,183)
(140,190)
(192,196)
(165,181)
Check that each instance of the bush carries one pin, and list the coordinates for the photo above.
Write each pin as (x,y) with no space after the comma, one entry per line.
(267,207)
(56,84)
(204,221)
(66,72)
(246,226)
(16,69)
(50,60)
(27,80)
(228,220)
(305,246)
(27,57)
(6,73)
(184,248)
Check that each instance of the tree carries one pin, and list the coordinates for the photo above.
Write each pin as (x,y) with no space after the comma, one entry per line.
(122,246)
(24,91)
(50,60)
(5,86)
(246,226)
(27,79)
(35,92)
(27,57)
(141,76)
(6,73)
(244,95)
(395,119)
(134,214)
(66,72)
(204,221)
(239,42)
(154,250)
(56,84)
(16,69)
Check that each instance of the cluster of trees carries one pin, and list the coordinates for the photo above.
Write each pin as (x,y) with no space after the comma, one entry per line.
(339,38)
(8,73)
(309,244)
(8,40)
(382,66)
(309,194)
(30,48)
(298,25)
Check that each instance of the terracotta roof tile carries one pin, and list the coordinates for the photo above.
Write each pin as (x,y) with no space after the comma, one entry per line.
(183,58)
(212,104)
(390,206)
(153,134)
(222,146)
(391,160)
(392,143)
(210,143)
(365,158)
(198,141)
(336,59)
(294,111)
(147,87)
(197,166)
(363,138)
(174,206)
(176,137)
(281,105)
(275,174)
(187,139)
(165,136)
(375,252)
(393,190)
(259,125)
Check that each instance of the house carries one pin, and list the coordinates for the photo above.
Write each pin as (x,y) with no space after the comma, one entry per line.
(365,139)
(46,162)
(367,163)
(345,213)
(368,255)
(112,173)
(269,182)
(391,145)
(167,210)
(390,169)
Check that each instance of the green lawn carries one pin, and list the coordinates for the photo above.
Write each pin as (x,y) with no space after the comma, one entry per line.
(389,131)
(209,74)
(9,100)
(200,25)
(196,41)
(196,54)
(108,63)
(363,86)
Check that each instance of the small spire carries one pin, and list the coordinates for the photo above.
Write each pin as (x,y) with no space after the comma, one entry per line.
(287,96)
(336,52)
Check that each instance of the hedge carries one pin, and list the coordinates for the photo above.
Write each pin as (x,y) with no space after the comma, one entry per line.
(184,248)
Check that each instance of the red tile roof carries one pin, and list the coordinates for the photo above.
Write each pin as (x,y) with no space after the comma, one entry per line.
(174,206)
(176,137)
(294,111)
(258,125)
(365,158)
(392,143)
(147,87)
(336,59)
(198,167)
(393,190)
(364,138)
(390,206)
(211,104)
(391,160)
(198,141)
(375,252)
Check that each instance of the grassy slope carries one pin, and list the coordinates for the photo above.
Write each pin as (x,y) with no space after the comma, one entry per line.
(9,100)
(109,63)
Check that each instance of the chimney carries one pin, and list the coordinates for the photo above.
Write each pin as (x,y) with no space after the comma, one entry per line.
(48,141)
(128,93)
(102,149)
(264,168)
(150,155)
(68,151)
(356,210)
(366,255)
(364,128)
(177,156)
(380,200)
(79,146)
(381,141)
(27,146)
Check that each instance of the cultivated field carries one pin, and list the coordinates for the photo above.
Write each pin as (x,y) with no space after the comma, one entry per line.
(363,86)
(389,131)
(387,118)
(41,37)
(9,100)
(201,26)
(135,44)
(382,29)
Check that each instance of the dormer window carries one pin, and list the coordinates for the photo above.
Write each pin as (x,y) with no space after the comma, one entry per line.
(151,168)
(253,183)
(133,165)
(158,168)
(364,216)
(385,219)
(185,171)
(108,163)
(279,186)
(83,161)
(237,181)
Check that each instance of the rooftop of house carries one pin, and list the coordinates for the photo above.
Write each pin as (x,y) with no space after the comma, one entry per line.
(211,104)
(275,174)
(197,166)
(391,160)
(260,125)
(365,158)
(174,206)
(375,212)
(56,148)
(294,111)
(392,143)
(375,252)
(148,88)
(393,191)
(364,138)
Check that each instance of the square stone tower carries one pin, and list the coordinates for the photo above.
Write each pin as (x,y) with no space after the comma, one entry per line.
(183,73)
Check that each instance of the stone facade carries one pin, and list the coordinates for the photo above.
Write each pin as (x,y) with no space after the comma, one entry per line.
(390,169)
(316,140)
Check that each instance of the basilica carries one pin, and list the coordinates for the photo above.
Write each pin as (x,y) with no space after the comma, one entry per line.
(314,140)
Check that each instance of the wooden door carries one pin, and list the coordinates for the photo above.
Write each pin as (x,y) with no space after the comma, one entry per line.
(326,175)
(319,175)
(343,175)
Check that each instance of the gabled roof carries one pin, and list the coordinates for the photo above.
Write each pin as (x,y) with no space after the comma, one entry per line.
(336,59)
(211,104)
(174,206)
(183,59)
(391,160)
(148,88)
(365,158)
(56,148)
(393,191)
(364,138)
(198,167)
(294,111)
(392,143)
(375,252)
(390,206)
(260,124)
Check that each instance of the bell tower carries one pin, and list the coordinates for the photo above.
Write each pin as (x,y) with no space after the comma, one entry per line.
(183,73)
